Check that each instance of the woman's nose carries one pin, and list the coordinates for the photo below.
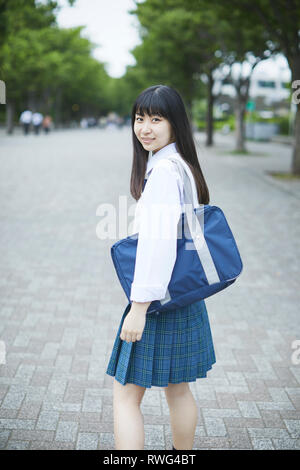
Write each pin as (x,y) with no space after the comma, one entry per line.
(146,127)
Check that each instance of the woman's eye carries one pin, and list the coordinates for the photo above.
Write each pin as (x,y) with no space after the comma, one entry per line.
(137,119)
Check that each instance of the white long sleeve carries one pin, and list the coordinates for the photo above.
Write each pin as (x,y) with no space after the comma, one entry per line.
(157,240)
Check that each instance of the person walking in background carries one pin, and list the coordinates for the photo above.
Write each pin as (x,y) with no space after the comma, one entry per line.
(25,120)
(37,119)
(47,123)
(162,349)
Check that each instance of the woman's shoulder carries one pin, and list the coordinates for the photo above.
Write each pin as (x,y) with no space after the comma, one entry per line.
(168,164)
(174,171)
(163,175)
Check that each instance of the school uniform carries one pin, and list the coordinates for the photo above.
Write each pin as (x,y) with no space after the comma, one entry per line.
(176,346)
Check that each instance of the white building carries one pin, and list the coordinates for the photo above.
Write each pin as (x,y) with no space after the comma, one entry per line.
(269,80)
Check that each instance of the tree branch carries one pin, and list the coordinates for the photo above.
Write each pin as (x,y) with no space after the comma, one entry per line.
(265,20)
(278,15)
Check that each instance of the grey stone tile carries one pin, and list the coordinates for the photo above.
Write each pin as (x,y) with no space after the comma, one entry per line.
(107,441)
(29,435)
(87,441)
(203,443)
(286,443)
(267,433)
(92,404)
(48,420)
(239,438)
(249,409)
(17,423)
(220,413)
(66,431)
(154,435)
(262,444)
(29,410)
(293,426)
(49,445)
(215,427)
(14,397)
(17,445)
(4,435)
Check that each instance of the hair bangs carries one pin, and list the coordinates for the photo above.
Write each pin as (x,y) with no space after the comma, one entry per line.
(151,103)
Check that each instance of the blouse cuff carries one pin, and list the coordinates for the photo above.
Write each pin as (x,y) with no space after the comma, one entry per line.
(141,293)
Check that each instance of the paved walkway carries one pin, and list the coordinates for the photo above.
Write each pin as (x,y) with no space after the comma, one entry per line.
(61,302)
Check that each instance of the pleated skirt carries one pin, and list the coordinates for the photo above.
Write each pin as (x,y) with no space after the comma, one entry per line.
(176,346)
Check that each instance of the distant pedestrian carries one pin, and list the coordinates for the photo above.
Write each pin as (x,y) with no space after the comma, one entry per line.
(47,123)
(84,123)
(37,119)
(25,120)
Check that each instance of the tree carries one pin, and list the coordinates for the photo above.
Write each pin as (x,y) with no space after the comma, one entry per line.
(281,22)
(241,49)
(18,17)
(178,46)
(226,32)
(45,66)
(71,75)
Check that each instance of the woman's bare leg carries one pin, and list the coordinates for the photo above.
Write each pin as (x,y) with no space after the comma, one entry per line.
(128,419)
(183,414)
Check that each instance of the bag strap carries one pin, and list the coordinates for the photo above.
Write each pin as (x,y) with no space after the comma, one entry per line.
(187,185)
(195,225)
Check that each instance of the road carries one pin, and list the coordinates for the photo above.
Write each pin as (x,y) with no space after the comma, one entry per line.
(61,302)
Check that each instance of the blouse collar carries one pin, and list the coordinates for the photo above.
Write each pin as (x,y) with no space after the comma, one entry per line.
(162,153)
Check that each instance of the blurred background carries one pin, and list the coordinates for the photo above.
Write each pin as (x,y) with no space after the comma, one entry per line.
(83,62)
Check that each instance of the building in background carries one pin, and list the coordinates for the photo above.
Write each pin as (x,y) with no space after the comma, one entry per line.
(270,88)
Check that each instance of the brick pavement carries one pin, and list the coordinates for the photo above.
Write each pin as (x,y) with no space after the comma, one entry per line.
(61,302)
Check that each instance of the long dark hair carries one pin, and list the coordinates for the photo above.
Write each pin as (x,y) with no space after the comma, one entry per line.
(165,101)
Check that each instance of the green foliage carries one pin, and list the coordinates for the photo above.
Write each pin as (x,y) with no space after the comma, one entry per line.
(282,121)
(179,43)
(199,110)
(54,65)
(217,123)
(228,121)
(284,125)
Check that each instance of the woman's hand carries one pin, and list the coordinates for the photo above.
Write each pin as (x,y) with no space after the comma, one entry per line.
(134,323)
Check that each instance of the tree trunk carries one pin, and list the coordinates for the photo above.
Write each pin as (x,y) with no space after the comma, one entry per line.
(294,63)
(57,108)
(296,147)
(209,113)
(10,111)
(31,101)
(46,100)
(240,126)
(241,86)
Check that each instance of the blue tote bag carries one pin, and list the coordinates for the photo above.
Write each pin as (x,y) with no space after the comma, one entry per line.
(207,261)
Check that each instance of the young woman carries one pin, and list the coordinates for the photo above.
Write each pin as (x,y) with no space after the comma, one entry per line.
(164,349)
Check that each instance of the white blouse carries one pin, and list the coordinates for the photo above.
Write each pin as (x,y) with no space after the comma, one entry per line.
(156,218)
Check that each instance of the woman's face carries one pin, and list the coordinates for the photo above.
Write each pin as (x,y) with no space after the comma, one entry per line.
(154,132)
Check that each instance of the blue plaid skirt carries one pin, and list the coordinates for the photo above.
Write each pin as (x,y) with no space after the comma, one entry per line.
(176,346)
